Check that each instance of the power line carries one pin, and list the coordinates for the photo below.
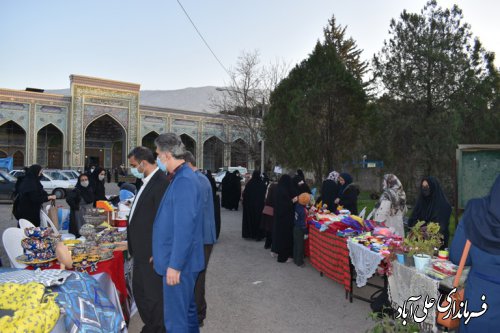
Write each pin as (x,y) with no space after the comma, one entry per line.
(203,39)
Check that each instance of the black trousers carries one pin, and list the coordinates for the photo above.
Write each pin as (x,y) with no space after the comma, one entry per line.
(298,246)
(199,289)
(148,294)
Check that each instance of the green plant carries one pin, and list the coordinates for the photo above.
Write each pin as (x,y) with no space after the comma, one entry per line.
(386,324)
(423,238)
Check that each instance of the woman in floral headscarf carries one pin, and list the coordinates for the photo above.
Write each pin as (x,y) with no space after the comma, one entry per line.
(392,204)
(330,190)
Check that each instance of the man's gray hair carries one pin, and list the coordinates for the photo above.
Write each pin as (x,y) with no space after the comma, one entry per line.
(171,143)
(189,158)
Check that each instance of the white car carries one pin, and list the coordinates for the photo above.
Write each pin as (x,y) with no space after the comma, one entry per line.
(50,185)
(71,174)
(60,175)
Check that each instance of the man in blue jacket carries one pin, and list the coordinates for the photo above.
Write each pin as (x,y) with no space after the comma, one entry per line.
(209,235)
(178,236)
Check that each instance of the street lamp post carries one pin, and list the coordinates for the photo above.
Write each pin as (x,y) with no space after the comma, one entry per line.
(262,115)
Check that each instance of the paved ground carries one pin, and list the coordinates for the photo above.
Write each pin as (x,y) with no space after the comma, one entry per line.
(248,291)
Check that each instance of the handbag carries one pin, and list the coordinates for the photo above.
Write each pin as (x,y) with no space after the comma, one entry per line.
(53,214)
(268,210)
(456,298)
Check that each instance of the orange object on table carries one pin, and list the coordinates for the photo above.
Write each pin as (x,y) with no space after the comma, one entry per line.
(102,204)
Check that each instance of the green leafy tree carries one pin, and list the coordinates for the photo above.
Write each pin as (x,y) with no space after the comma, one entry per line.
(436,79)
(315,112)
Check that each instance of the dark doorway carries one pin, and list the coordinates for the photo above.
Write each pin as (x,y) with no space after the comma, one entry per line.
(189,143)
(239,153)
(149,141)
(105,143)
(12,140)
(213,154)
(50,147)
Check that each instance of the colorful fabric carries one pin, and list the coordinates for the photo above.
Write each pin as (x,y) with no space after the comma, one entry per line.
(86,306)
(393,192)
(48,277)
(329,255)
(34,312)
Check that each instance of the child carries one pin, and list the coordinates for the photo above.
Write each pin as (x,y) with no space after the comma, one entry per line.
(299,229)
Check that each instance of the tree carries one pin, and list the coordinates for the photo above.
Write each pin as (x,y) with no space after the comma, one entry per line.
(314,116)
(437,79)
(246,96)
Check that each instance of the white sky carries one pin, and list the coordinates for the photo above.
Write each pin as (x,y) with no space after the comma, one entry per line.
(152,42)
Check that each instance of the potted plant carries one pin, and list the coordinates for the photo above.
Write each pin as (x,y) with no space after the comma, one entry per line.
(421,241)
(384,323)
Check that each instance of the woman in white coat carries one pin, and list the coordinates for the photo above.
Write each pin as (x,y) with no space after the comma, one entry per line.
(391,207)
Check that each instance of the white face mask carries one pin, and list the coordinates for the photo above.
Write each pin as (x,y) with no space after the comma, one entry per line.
(101,177)
(85,183)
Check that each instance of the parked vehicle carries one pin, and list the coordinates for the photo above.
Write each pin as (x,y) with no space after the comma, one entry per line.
(71,174)
(60,175)
(7,186)
(51,185)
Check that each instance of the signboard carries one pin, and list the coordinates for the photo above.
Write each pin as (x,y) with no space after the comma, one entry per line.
(477,168)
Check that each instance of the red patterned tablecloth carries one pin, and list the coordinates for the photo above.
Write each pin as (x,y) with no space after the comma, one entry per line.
(329,255)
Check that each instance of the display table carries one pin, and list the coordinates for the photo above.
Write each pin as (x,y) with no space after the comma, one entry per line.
(406,282)
(85,305)
(330,256)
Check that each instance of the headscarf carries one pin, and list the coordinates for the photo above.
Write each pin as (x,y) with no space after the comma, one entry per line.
(432,208)
(334,175)
(393,192)
(348,181)
(31,181)
(285,187)
(301,175)
(87,193)
(482,220)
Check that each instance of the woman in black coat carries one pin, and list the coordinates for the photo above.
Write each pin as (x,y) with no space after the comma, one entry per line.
(330,190)
(226,190)
(32,196)
(283,219)
(348,194)
(79,199)
(97,179)
(432,206)
(254,196)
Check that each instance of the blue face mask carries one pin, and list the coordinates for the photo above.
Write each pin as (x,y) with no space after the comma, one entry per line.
(162,166)
(136,173)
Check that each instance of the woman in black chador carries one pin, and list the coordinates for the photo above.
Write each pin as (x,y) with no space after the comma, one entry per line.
(283,219)
(226,189)
(253,204)
(79,199)
(432,206)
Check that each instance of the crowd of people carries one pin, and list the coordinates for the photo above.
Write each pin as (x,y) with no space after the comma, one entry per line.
(174,222)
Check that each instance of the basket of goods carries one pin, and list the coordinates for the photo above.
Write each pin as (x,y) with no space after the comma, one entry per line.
(39,247)
(88,231)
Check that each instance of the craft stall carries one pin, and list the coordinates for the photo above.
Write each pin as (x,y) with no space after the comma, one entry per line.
(71,284)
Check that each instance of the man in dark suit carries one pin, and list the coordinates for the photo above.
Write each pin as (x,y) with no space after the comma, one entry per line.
(178,236)
(147,285)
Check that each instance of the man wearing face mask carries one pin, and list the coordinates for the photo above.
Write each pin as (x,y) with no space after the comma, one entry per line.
(147,285)
(178,236)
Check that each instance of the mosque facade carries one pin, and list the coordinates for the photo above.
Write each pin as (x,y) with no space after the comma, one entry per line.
(101,121)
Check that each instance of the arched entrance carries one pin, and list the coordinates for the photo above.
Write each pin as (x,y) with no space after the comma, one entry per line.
(13,139)
(49,147)
(213,154)
(18,159)
(3,154)
(149,141)
(189,143)
(239,153)
(105,143)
